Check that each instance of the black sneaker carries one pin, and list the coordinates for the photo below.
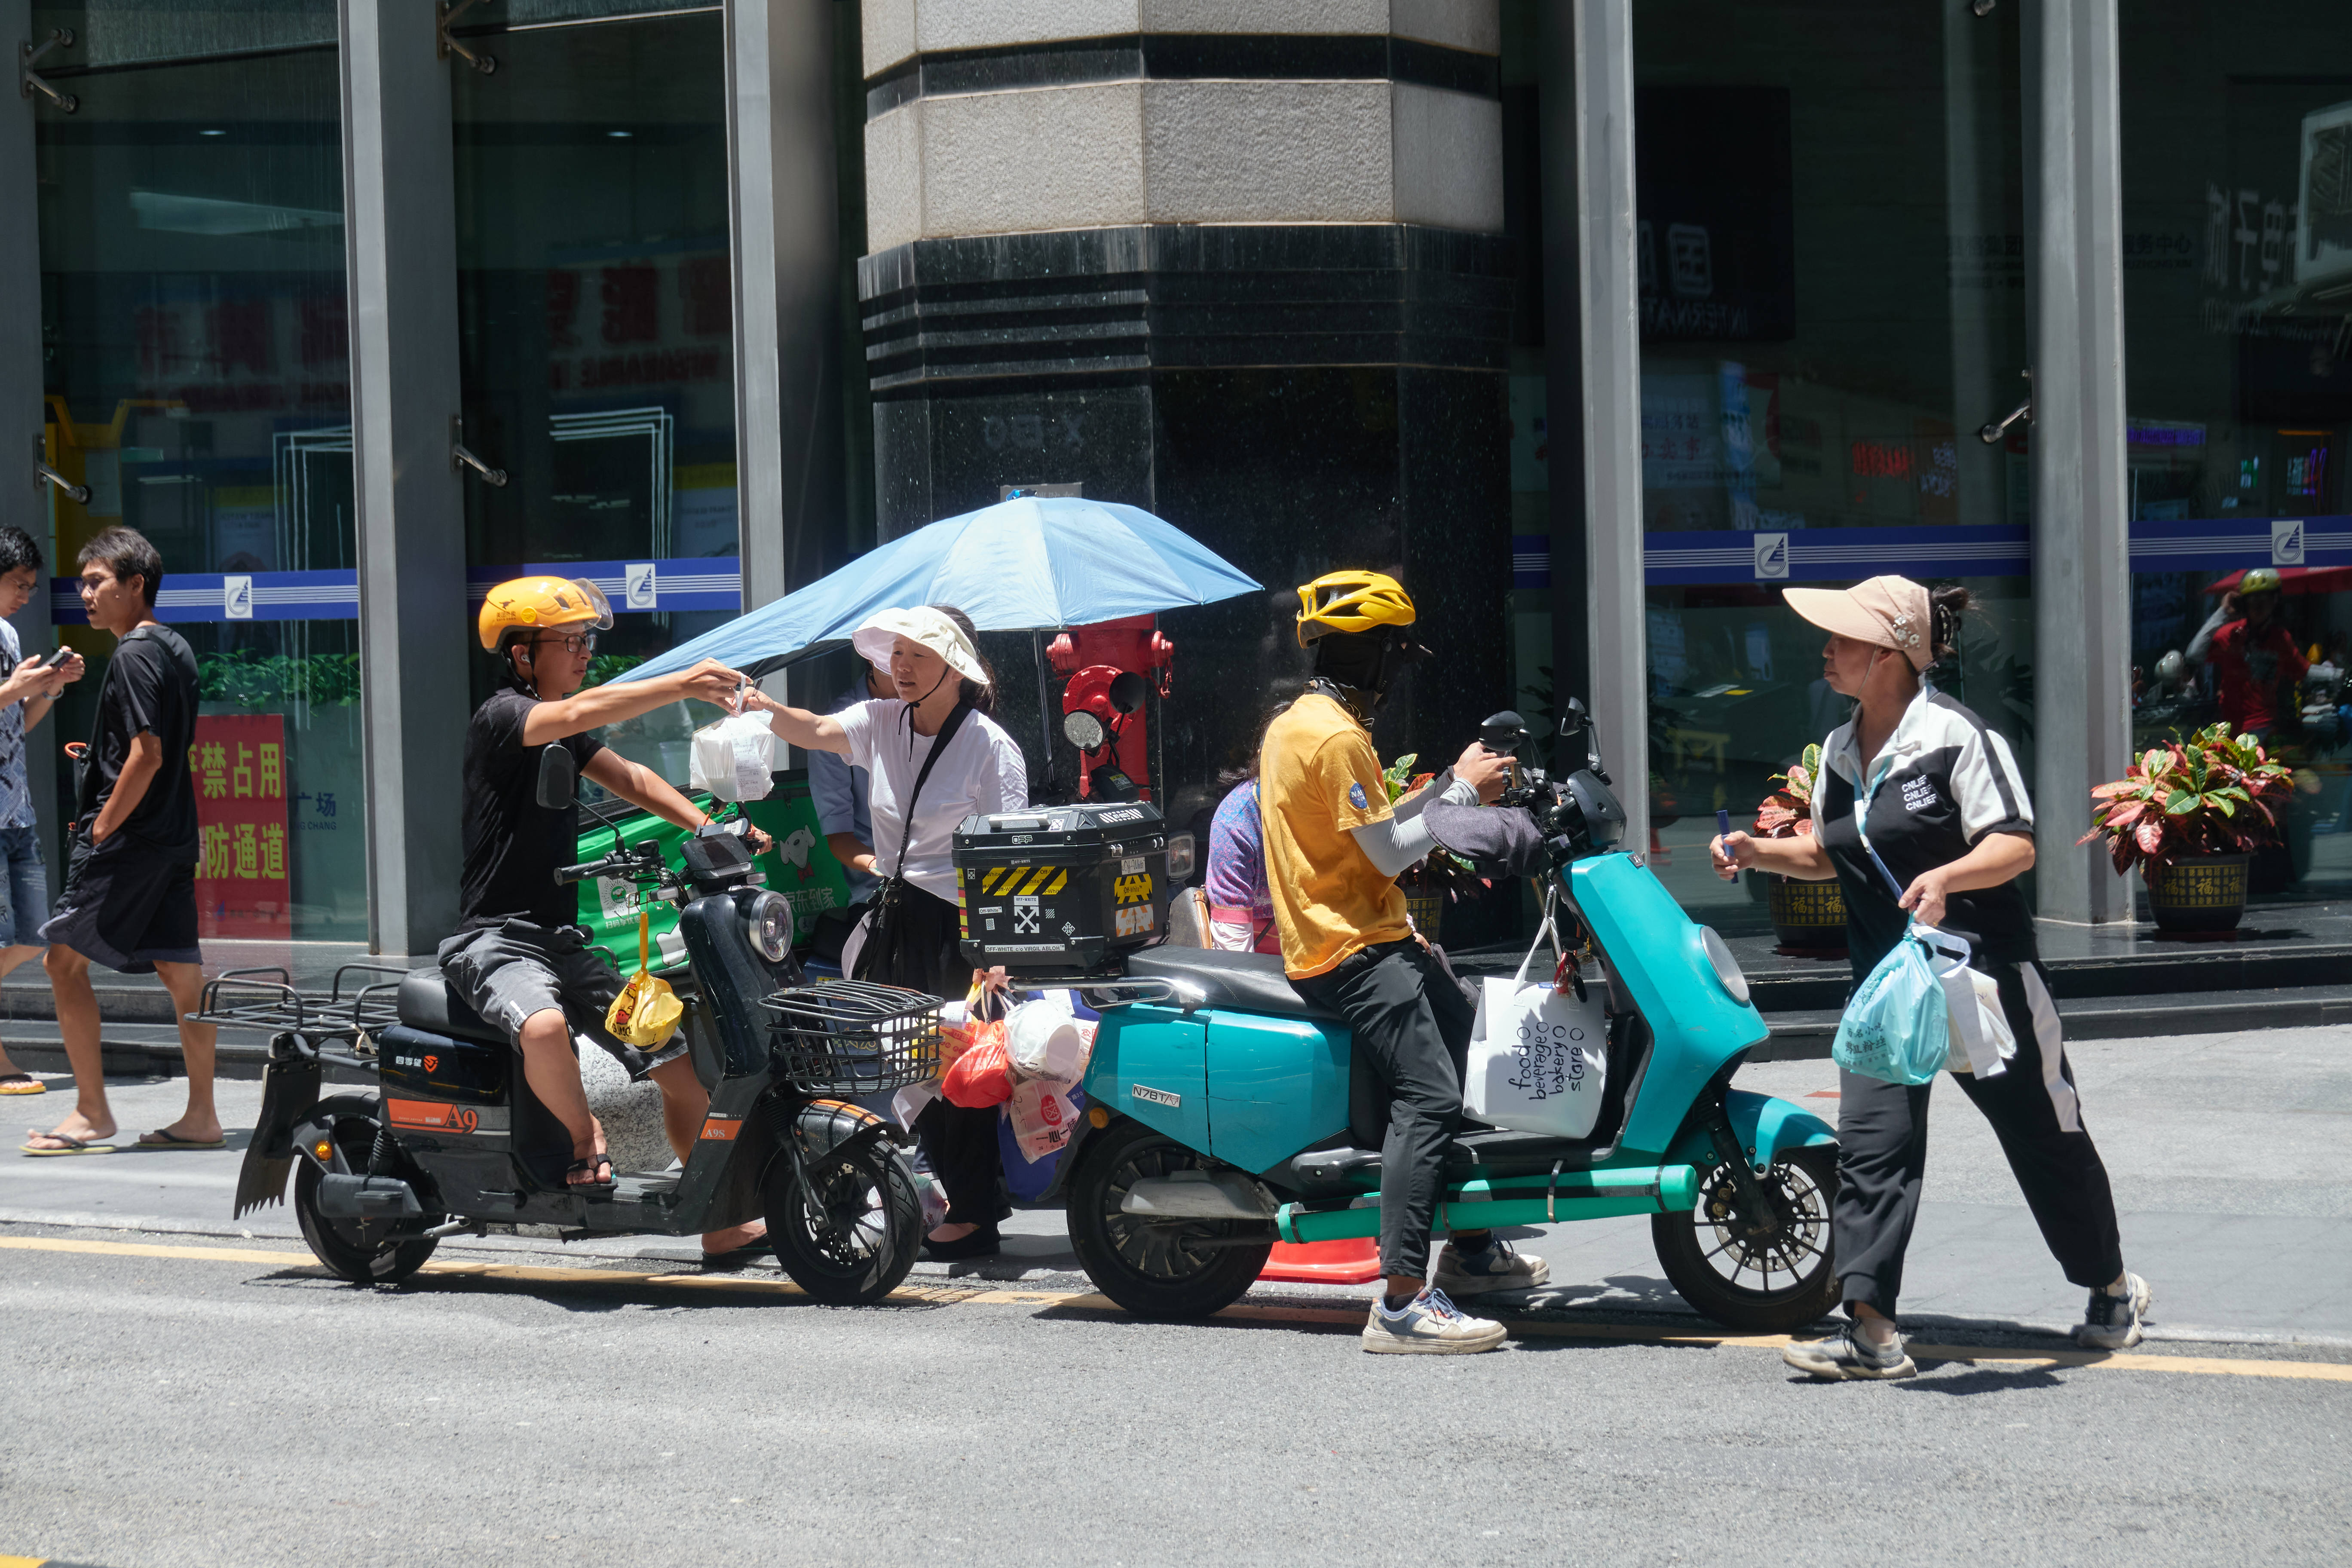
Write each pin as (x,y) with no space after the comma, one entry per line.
(1848,1355)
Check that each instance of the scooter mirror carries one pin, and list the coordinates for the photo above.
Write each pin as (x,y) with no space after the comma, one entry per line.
(559,784)
(1504,732)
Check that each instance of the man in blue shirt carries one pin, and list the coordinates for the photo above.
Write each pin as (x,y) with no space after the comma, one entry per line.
(840,792)
(28,688)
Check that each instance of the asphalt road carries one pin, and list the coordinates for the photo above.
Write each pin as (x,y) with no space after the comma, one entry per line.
(186,1394)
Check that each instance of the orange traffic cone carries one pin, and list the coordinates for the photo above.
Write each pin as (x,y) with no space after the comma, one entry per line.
(1351,1260)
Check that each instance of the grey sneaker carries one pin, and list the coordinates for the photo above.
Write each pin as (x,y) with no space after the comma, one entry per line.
(1847,1354)
(1428,1324)
(1494,1267)
(2112,1322)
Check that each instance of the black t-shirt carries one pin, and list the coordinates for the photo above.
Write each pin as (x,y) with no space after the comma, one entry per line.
(513,844)
(1949,781)
(149,685)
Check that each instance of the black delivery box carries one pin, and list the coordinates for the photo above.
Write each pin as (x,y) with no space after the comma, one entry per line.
(1062,889)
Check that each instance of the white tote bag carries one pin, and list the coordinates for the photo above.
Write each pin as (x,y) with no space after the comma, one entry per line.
(1538,1058)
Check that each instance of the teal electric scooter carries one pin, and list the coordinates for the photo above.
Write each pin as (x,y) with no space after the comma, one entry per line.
(1228,1113)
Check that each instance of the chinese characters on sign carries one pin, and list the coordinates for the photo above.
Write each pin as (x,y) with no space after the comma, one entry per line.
(238,766)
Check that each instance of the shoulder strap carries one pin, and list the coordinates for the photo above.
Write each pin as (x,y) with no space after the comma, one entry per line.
(940,744)
(1862,826)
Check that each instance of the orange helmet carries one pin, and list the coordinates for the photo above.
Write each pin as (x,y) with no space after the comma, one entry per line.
(525,604)
(1351,602)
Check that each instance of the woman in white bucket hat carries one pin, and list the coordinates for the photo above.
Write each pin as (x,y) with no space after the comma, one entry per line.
(1921,811)
(933,746)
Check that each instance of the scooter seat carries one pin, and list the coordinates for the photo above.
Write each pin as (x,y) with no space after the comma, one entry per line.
(1245,981)
(426,1002)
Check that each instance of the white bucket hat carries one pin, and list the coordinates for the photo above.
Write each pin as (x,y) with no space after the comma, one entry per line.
(925,626)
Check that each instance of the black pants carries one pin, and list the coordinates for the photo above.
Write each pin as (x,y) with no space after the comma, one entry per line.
(960,1144)
(1414,1023)
(1882,1152)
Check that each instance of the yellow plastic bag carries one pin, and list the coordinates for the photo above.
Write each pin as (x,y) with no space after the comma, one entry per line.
(646,1013)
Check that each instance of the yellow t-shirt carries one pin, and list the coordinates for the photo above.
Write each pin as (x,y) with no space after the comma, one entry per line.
(1319,778)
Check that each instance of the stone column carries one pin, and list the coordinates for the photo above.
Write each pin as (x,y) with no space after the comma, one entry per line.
(1238,264)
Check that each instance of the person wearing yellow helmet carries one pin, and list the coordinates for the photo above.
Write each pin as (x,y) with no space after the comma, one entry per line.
(2256,664)
(518,957)
(1334,847)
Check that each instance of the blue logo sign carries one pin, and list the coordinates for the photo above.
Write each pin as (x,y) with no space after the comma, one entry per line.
(1355,797)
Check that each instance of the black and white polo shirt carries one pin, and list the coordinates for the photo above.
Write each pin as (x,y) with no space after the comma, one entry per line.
(1947,780)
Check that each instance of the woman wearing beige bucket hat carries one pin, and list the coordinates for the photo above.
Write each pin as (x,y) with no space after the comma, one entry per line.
(1943,831)
(935,757)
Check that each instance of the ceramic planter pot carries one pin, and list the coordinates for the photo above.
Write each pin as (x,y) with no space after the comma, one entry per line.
(2203,894)
(1809,915)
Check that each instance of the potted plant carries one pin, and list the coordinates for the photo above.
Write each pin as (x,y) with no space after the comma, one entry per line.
(2190,813)
(1440,880)
(1808,917)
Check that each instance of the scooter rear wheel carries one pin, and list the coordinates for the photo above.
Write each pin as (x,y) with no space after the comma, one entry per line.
(851,1235)
(1154,1271)
(356,1251)
(1774,1283)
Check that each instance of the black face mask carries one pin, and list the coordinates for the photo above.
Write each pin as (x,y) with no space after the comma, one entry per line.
(1366,662)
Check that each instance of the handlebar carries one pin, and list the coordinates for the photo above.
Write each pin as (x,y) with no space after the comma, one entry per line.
(585,870)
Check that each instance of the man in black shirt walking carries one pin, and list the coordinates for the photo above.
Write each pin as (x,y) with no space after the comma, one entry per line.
(519,958)
(130,894)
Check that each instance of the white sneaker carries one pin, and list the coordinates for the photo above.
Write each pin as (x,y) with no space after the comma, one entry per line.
(2112,1322)
(1496,1267)
(1849,1354)
(1428,1324)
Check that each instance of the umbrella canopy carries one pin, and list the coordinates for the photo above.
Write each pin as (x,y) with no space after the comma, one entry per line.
(1031,564)
(2295,580)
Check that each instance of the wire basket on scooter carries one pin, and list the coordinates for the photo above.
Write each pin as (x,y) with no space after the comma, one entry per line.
(853,1037)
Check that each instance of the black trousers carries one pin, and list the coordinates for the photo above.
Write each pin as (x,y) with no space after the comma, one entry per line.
(1413,1022)
(960,1144)
(1882,1154)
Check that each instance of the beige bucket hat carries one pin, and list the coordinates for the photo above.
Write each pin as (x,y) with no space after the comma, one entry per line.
(925,626)
(1885,612)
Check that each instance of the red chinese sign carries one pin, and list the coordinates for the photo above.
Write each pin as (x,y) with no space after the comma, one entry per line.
(238,766)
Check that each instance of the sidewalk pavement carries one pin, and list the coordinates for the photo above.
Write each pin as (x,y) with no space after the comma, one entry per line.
(2225,1152)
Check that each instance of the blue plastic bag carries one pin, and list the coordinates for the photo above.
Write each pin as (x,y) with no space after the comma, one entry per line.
(1897,1028)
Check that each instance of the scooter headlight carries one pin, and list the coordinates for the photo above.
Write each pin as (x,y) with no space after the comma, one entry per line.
(1727,968)
(770,918)
(1182,857)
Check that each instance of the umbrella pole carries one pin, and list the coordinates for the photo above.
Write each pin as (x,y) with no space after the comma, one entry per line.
(1045,710)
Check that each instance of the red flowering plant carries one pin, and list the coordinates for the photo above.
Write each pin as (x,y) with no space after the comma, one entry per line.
(1788,812)
(2212,794)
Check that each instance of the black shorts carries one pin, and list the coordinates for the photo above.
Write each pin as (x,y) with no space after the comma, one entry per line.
(125,906)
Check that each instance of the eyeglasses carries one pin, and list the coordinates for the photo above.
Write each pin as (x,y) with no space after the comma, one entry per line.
(575,643)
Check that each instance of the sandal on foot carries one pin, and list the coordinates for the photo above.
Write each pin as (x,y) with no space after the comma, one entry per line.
(164,1138)
(595,1162)
(72,1146)
(22,1083)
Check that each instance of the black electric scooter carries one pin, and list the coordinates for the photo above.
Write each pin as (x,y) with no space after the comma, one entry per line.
(453,1140)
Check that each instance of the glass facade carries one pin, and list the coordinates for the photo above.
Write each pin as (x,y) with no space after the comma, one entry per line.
(196,379)
(1832,262)
(596,327)
(2237,208)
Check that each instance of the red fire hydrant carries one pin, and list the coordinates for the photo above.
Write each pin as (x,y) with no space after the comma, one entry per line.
(1110,664)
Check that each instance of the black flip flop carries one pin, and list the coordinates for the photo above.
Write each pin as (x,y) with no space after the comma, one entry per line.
(736,1257)
(600,1162)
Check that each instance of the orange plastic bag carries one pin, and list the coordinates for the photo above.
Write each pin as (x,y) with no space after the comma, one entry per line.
(983,1075)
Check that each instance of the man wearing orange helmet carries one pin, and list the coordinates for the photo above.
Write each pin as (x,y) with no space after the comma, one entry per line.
(1334,847)
(519,958)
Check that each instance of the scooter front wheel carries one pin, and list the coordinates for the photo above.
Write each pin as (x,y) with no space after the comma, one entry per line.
(1771,1283)
(850,1234)
(1154,1269)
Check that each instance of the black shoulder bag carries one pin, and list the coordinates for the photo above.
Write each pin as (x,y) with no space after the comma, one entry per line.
(886,928)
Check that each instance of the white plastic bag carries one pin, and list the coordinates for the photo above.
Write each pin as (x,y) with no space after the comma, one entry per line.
(1538,1058)
(1045,1040)
(735,758)
(1042,1115)
(1979,1039)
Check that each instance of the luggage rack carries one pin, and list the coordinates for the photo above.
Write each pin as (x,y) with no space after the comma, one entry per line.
(266,999)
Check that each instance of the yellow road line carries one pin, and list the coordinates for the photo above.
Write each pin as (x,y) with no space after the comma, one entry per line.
(1244,1312)
(7,1561)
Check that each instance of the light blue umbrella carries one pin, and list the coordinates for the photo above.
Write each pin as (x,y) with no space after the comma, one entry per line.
(1031,564)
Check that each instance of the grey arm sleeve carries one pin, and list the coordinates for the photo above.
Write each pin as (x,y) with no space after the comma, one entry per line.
(1393,844)
(2200,647)
(1444,787)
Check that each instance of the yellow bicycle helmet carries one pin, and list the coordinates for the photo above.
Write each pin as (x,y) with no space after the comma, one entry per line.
(2261,580)
(1351,602)
(525,604)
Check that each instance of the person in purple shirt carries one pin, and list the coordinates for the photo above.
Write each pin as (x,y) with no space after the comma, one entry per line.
(1240,909)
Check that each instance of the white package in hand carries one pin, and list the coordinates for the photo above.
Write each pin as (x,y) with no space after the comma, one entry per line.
(735,758)
(1538,1058)
(1042,1115)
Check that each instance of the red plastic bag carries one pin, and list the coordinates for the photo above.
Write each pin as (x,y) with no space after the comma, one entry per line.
(983,1075)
